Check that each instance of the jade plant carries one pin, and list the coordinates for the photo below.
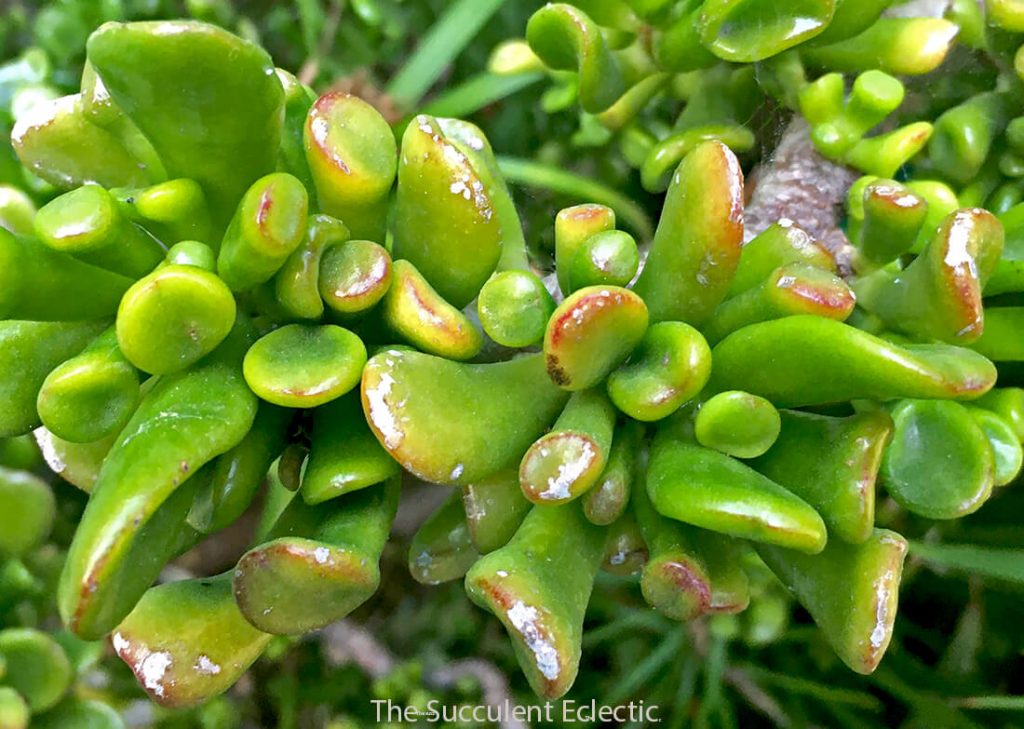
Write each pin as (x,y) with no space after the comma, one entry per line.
(250,299)
(39,668)
(660,77)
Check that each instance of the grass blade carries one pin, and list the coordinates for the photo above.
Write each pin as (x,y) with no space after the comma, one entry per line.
(444,41)
(998,703)
(658,659)
(986,562)
(804,687)
(476,93)
(533,174)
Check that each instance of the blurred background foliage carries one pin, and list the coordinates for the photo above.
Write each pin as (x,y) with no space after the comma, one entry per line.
(957,658)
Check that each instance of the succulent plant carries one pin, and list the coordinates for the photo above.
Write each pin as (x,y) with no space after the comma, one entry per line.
(242,283)
(660,77)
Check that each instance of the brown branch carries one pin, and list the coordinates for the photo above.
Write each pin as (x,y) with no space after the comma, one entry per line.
(800,185)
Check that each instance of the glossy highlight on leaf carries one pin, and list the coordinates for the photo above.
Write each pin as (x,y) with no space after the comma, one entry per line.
(88,224)
(29,351)
(124,536)
(41,284)
(938,296)
(267,226)
(227,141)
(609,258)
(344,455)
(750,30)
(442,550)
(318,565)
(444,217)
(610,496)
(738,424)
(353,159)
(832,463)
(91,396)
(514,308)
(354,276)
(709,489)
(173,318)
(573,227)
(565,38)
(793,289)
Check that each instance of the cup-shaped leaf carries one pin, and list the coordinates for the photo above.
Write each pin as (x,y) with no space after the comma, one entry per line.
(607,500)
(781,243)
(573,227)
(793,289)
(29,351)
(187,642)
(88,223)
(354,276)
(267,227)
(304,365)
(514,308)
(538,585)
(567,39)
(744,31)
(92,395)
(232,131)
(670,367)
(940,464)
(343,456)
(494,508)
(441,550)
(319,565)
(444,217)
(591,333)
(415,311)
(851,591)
(738,424)
(174,317)
(416,405)
(353,158)
(564,463)
(832,464)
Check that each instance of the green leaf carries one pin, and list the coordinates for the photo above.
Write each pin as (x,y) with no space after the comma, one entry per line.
(999,564)
(477,92)
(998,703)
(814,689)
